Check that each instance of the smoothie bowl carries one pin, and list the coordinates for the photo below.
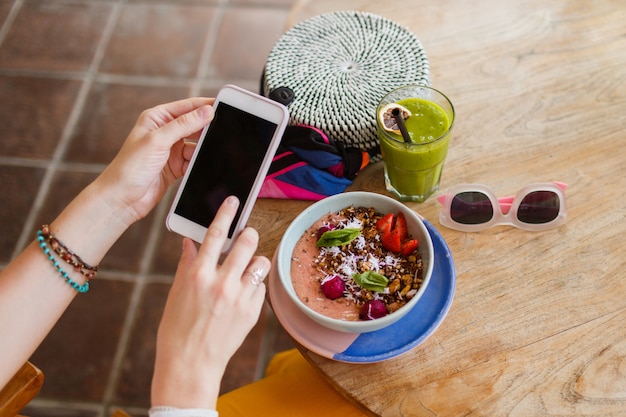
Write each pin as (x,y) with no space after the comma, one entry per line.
(355,262)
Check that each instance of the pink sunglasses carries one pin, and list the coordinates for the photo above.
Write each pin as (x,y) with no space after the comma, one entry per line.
(475,207)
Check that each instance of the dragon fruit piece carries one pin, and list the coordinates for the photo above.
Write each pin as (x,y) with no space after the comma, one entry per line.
(333,287)
(325,228)
(373,309)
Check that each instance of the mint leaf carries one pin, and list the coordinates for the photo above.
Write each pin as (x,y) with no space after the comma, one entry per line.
(371,280)
(338,237)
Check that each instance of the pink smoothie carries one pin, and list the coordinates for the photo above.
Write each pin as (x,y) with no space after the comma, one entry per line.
(306,277)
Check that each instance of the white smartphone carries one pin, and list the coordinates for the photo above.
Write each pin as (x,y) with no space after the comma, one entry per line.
(232,157)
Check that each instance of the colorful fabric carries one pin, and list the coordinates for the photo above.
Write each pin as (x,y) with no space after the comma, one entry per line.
(310,166)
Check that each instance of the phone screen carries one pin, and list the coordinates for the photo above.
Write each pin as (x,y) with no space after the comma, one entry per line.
(227,163)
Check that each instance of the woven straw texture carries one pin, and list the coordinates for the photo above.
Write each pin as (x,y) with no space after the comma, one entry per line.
(339,65)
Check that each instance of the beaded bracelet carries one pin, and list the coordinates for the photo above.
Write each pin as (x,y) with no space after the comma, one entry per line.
(42,244)
(67,255)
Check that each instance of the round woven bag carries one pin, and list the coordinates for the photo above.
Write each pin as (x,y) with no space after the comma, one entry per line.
(339,65)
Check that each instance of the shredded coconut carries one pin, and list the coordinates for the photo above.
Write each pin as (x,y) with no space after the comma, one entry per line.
(366,253)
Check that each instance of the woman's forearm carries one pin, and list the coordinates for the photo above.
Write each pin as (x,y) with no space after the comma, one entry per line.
(33,294)
(34,291)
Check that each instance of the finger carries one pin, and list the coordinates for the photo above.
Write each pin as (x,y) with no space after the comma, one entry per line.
(256,272)
(242,251)
(187,257)
(188,150)
(257,299)
(217,231)
(252,284)
(164,113)
(195,136)
(180,157)
(185,125)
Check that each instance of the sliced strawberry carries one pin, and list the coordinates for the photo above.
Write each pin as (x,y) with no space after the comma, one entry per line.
(385,224)
(400,226)
(391,241)
(394,234)
(409,246)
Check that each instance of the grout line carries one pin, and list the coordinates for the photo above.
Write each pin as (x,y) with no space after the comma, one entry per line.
(209,46)
(128,79)
(136,296)
(66,135)
(143,277)
(8,21)
(128,325)
(144,80)
(51,404)
(155,233)
(75,113)
(62,166)
(43,74)
(23,162)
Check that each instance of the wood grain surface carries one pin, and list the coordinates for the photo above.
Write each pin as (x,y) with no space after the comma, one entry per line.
(20,390)
(536,327)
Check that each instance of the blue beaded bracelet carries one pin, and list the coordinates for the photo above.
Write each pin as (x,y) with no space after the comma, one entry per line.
(42,244)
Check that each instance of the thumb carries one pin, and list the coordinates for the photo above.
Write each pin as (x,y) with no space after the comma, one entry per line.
(186,124)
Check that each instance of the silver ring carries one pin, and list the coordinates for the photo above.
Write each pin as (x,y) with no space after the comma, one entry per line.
(257,276)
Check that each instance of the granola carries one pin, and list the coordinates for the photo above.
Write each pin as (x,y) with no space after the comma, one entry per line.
(366,254)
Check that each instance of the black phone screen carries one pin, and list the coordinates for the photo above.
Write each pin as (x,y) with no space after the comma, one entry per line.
(227,163)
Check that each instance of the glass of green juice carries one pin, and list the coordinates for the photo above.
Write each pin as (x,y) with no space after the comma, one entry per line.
(413,165)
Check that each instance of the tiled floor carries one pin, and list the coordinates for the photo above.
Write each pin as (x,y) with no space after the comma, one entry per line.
(74,75)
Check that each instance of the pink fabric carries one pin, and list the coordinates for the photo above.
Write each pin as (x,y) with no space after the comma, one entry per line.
(289,168)
(273,188)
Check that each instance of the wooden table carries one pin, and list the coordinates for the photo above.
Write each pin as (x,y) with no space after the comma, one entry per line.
(537,325)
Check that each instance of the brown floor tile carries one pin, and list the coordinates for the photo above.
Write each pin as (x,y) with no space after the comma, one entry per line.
(65,186)
(19,188)
(77,356)
(210,89)
(245,40)
(285,4)
(5,7)
(127,253)
(110,112)
(158,39)
(36,40)
(168,253)
(33,114)
(133,388)
(151,58)
(282,341)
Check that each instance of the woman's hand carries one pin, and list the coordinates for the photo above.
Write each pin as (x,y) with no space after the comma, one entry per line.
(209,311)
(153,156)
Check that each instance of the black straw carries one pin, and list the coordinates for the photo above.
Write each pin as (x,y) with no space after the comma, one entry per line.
(400,121)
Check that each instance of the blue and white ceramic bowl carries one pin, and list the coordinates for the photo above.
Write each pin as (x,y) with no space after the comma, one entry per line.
(381,204)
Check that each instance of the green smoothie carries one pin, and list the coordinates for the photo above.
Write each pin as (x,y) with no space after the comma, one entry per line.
(413,169)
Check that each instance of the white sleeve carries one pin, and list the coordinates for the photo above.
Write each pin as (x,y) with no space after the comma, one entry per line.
(164,411)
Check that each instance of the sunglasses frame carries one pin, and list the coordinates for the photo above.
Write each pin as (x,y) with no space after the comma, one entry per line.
(504,208)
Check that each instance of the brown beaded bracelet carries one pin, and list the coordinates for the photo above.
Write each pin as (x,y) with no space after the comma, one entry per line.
(67,255)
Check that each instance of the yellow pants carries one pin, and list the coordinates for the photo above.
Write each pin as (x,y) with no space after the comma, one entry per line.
(291,387)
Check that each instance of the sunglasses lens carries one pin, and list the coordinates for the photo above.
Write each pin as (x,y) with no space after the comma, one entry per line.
(539,207)
(471,207)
